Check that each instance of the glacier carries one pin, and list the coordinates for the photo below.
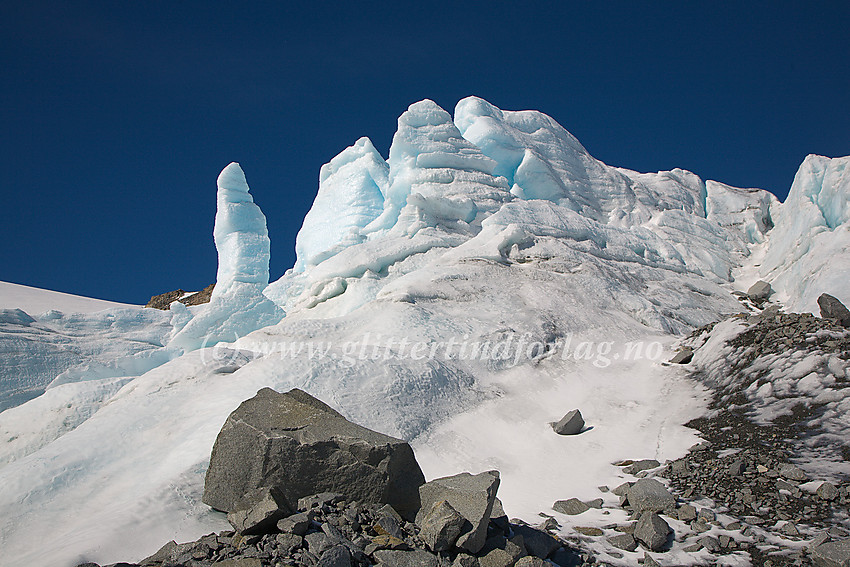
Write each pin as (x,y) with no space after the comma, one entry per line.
(566,282)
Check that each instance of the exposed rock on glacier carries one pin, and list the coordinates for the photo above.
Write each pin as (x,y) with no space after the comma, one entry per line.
(237,305)
(294,443)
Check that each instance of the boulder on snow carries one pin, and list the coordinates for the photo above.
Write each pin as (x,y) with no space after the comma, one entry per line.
(652,531)
(472,496)
(300,446)
(759,291)
(571,424)
(832,308)
(647,494)
(684,356)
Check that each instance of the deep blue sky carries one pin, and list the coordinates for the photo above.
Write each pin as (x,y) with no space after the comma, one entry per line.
(117,117)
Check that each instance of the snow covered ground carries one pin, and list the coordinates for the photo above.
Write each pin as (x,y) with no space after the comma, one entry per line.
(488,277)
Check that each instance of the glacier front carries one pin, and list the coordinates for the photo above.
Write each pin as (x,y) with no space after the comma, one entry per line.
(486,277)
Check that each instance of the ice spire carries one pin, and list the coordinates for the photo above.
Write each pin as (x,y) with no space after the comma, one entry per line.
(240,234)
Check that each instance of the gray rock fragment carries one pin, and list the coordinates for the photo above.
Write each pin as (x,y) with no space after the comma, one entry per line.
(759,291)
(832,308)
(297,524)
(441,526)
(626,542)
(259,511)
(472,496)
(336,556)
(652,531)
(684,356)
(832,554)
(571,424)
(648,494)
(415,558)
(827,491)
(570,507)
(537,542)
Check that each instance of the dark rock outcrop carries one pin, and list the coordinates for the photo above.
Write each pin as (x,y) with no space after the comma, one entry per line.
(832,308)
(163,301)
(300,446)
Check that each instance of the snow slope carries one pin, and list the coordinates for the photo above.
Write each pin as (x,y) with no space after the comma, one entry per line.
(34,300)
(487,277)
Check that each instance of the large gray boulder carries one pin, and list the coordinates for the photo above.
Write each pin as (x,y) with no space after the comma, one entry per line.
(300,446)
(832,554)
(832,308)
(648,494)
(759,291)
(472,496)
(571,424)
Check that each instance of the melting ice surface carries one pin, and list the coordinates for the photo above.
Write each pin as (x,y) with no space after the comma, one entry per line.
(487,277)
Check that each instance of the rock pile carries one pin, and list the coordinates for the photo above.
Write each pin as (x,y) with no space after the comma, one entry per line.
(163,301)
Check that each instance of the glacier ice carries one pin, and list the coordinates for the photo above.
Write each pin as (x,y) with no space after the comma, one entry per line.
(237,305)
(807,252)
(240,234)
(436,176)
(351,195)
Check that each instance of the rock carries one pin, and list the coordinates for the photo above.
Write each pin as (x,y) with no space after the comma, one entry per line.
(337,556)
(623,489)
(684,356)
(318,543)
(827,491)
(163,301)
(297,524)
(793,473)
(648,561)
(588,531)
(319,500)
(648,494)
(759,291)
(687,513)
(595,503)
(530,561)
(832,308)
(623,541)
(289,542)
(537,542)
(240,562)
(441,526)
(570,507)
(500,552)
(737,468)
(652,531)
(832,554)
(710,543)
(299,445)
(416,558)
(571,424)
(388,542)
(789,529)
(388,525)
(498,516)
(465,560)
(472,496)
(640,466)
(259,511)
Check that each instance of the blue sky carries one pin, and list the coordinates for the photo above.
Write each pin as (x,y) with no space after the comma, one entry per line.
(118,118)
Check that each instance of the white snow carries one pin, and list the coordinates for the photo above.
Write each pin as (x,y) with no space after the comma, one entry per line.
(485,279)
(34,300)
